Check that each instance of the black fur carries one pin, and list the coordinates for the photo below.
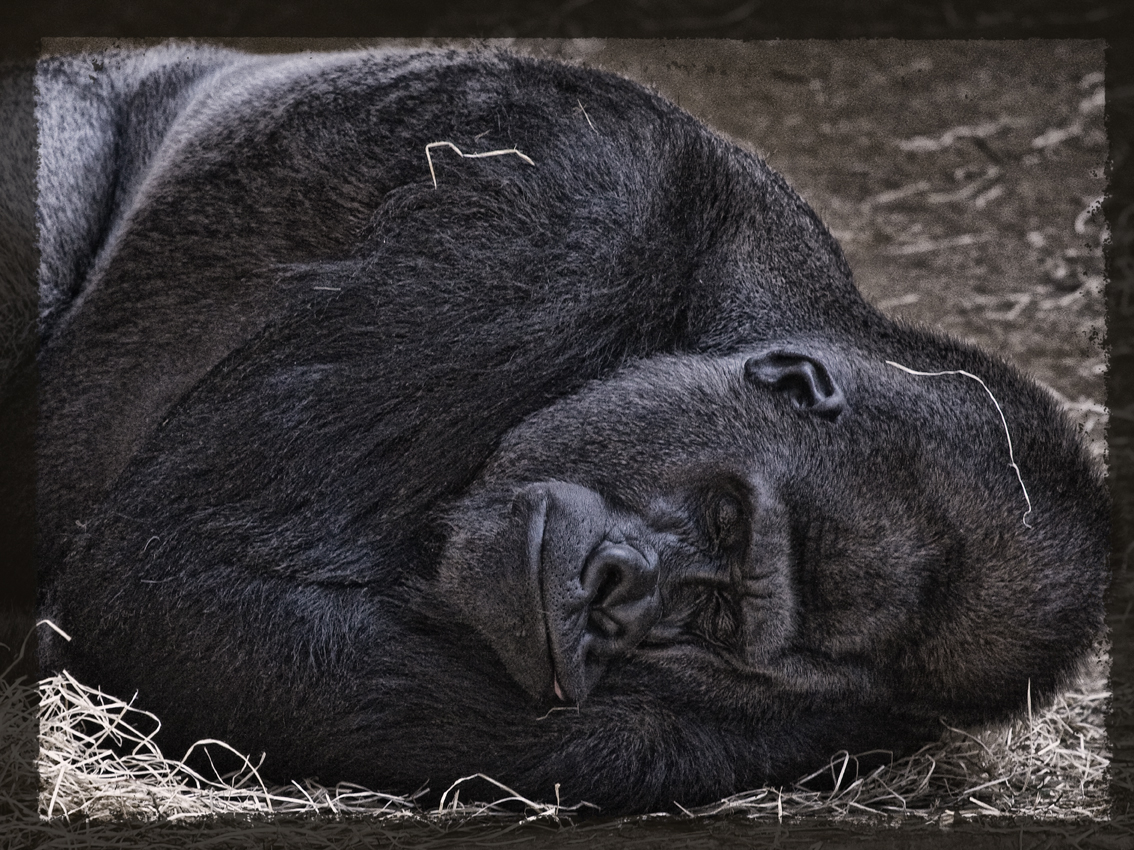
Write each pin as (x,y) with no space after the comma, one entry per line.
(589,471)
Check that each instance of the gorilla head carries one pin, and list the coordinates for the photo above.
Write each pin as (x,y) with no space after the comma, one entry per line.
(779,541)
(588,470)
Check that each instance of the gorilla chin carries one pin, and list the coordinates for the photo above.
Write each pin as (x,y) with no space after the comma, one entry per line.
(588,470)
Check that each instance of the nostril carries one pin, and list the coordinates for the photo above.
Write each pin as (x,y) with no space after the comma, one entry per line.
(600,621)
(603,580)
(615,572)
(620,582)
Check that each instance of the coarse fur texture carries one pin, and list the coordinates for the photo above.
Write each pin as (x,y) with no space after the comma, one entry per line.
(587,473)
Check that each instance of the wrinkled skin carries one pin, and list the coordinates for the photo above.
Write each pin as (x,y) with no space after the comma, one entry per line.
(587,473)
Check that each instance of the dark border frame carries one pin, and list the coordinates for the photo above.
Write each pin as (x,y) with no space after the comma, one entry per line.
(23,24)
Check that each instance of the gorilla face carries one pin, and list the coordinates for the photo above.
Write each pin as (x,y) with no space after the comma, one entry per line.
(815,524)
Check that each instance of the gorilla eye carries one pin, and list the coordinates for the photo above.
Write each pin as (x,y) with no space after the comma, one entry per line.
(717,622)
(726,523)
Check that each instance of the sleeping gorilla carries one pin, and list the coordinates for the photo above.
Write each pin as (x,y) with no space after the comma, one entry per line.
(589,470)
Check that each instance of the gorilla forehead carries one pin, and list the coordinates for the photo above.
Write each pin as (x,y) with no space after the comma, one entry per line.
(646,425)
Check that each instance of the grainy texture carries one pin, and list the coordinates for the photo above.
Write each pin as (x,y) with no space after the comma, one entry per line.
(917,246)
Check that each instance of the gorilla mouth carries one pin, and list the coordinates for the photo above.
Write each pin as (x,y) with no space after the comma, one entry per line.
(597,580)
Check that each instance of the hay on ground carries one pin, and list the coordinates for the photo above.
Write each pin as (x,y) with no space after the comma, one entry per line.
(98,760)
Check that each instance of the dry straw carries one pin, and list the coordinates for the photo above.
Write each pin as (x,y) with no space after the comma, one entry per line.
(1003,421)
(503,152)
(98,760)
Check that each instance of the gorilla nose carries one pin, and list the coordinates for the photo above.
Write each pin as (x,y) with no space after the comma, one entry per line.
(621,583)
(616,606)
(598,576)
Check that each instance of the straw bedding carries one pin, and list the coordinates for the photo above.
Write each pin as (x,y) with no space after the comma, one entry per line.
(97,760)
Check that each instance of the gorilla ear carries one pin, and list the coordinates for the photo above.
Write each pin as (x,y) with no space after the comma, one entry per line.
(802,379)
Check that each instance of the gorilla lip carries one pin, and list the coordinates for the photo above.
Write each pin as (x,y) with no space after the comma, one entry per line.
(537,523)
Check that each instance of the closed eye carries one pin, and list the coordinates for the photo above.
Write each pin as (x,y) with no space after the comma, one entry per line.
(728,525)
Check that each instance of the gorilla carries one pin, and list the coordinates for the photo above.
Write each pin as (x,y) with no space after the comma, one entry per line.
(410,414)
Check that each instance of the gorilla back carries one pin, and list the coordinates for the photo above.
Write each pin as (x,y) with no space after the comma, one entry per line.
(582,465)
